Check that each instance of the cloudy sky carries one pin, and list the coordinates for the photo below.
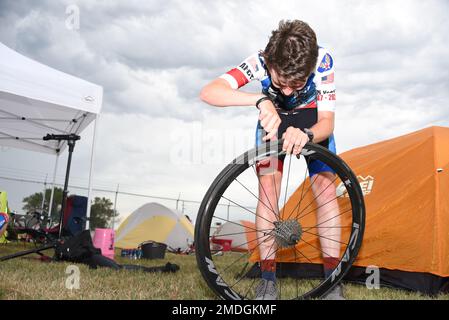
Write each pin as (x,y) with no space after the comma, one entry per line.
(152,57)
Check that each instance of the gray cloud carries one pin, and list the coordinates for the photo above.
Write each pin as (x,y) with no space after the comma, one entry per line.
(153,57)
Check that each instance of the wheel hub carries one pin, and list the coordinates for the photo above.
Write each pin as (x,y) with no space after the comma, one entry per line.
(287,233)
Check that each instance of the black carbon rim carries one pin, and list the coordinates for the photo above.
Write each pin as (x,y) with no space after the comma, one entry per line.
(206,260)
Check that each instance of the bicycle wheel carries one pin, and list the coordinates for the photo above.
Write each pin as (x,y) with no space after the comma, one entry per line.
(302,230)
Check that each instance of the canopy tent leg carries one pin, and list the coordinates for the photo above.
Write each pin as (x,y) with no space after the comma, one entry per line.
(115,208)
(43,195)
(92,157)
(50,205)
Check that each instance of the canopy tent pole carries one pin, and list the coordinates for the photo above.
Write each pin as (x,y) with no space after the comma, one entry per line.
(50,205)
(115,208)
(92,157)
(71,139)
(43,195)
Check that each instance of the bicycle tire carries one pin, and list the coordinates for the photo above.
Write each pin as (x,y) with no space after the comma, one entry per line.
(205,260)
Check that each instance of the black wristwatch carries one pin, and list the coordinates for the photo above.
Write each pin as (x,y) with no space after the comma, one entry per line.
(309,134)
(262,100)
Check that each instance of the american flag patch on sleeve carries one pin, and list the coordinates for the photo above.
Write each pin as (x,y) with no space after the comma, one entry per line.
(328,79)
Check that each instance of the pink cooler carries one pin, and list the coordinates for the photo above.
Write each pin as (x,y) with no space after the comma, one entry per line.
(104,240)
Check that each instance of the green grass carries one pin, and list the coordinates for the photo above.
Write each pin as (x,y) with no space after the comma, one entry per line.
(29,278)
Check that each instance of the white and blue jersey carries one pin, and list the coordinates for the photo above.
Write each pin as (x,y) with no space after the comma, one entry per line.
(318,93)
(300,109)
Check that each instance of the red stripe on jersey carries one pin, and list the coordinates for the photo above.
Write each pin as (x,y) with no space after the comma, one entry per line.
(238,76)
(311,105)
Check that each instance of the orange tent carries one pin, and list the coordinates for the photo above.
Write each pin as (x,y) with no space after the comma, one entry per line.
(407,209)
(406,185)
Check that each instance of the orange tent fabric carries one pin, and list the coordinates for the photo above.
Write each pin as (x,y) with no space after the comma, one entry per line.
(406,186)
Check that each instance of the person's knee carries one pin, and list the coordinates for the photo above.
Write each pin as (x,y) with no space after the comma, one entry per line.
(323,185)
(269,183)
(269,166)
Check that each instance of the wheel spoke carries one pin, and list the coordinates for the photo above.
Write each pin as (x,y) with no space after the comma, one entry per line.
(258,199)
(237,233)
(298,217)
(323,237)
(233,222)
(246,209)
(242,273)
(263,189)
(297,280)
(248,242)
(286,187)
(268,256)
(321,250)
(276,194)
(303,185)
(340,214)
(296,249)
(315,209)
(302,198)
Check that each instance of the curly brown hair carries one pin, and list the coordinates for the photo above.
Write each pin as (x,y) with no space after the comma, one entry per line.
(292,51)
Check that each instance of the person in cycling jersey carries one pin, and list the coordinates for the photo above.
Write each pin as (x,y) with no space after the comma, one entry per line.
(296,103)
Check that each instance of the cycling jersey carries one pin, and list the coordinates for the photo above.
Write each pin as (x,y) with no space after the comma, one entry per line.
(318,93)
(300,109)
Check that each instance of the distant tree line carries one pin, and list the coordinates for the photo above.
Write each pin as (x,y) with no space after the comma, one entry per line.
(101,211)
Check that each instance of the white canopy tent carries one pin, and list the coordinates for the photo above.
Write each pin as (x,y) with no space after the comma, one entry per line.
(36,100)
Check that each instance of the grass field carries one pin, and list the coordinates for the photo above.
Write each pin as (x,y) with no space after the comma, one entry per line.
(29,278)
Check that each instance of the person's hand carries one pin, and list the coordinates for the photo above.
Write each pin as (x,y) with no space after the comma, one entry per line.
(294,140)
(269,119)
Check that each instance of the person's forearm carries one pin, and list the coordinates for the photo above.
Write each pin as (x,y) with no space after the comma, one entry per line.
(220,94)
(322,130)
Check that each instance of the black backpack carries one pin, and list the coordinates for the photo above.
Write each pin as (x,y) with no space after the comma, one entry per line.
(77,248)
(80,249)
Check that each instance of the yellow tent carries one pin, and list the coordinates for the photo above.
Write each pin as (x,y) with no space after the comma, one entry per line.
(158,223)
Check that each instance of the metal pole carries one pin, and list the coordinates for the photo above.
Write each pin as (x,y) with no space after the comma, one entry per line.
(115,207)
(65,192)
(43,202)
(24,253)
(50,205)
(43,195)
(92,157)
